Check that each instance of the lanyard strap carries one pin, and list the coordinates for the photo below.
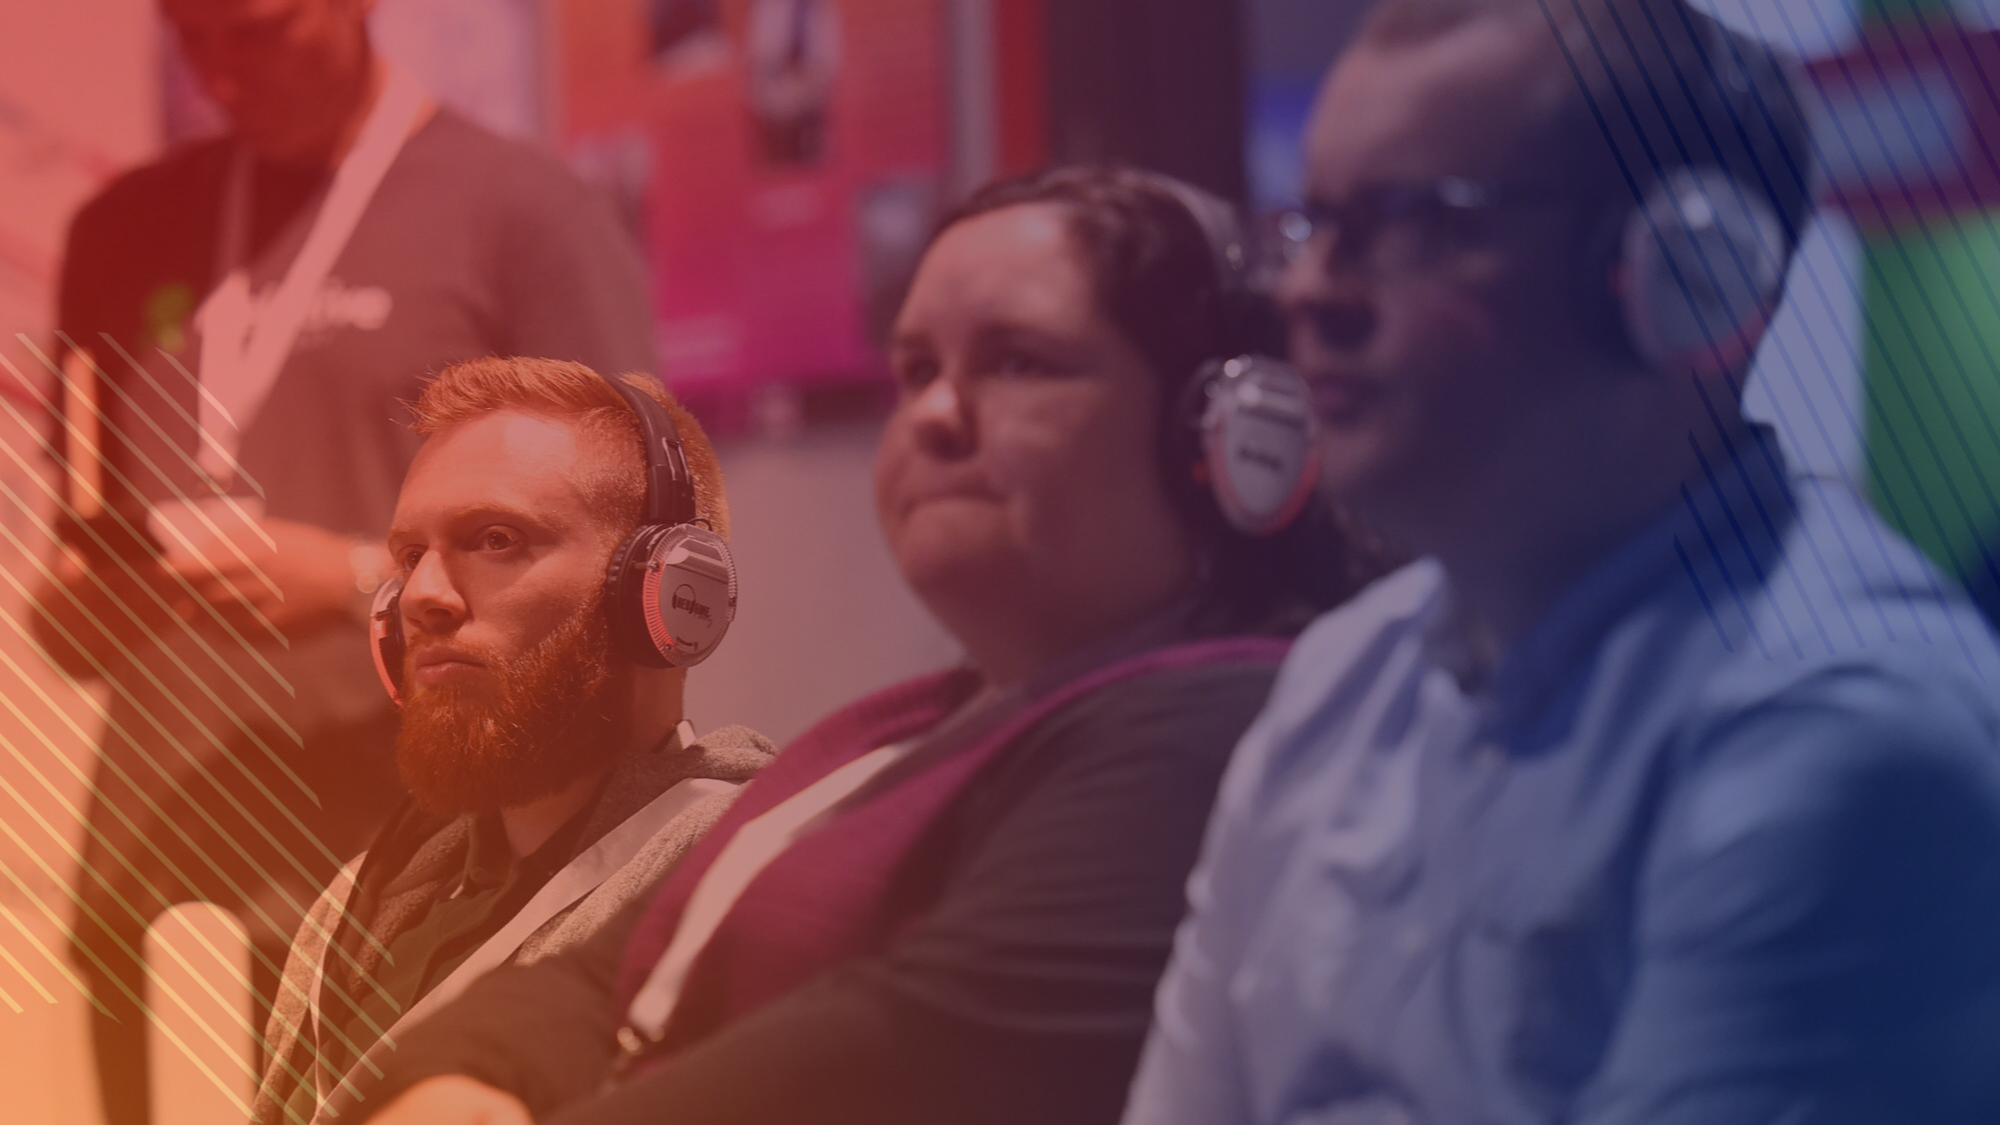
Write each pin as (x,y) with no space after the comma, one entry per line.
(582,875)
(747,854)
(243,349)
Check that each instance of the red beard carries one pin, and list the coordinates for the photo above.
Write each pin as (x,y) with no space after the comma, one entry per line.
(555,716)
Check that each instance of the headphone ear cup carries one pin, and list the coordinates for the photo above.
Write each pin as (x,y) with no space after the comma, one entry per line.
(385,637)
(671,594)
(1702,262)
(1259,442)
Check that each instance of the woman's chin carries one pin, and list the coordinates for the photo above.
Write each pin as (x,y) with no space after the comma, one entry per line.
(955,578)
(945,542)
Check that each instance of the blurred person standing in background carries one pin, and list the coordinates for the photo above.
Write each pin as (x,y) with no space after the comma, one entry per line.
(252,313)
(1666,789)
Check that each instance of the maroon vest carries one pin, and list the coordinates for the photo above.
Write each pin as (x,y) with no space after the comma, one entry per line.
(828,901)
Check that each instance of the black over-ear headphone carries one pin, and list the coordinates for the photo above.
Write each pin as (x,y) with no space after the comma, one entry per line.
(670,591)
(1702,256)
(1244,431)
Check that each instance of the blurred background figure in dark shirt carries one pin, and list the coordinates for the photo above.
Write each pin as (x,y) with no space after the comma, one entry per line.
(219,594)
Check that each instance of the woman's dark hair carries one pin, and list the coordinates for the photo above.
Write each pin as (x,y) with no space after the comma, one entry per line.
(1158,279)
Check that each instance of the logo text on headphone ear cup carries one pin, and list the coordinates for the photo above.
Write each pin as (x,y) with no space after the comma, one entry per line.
(1703,266)
(687,593)
(1259,442)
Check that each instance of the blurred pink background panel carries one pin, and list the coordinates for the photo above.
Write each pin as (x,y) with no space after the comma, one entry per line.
(782,157)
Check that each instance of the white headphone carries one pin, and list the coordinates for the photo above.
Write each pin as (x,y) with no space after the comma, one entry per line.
(1259,440)
(1701,259)
(1255,436)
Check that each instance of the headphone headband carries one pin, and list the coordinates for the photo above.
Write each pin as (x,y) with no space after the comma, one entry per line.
(1749,80)
(1219,227)
(669,485)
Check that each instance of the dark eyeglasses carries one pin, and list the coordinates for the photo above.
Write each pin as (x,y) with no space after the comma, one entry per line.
(1387,226)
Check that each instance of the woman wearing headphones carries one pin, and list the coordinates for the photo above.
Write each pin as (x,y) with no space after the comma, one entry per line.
(951,901)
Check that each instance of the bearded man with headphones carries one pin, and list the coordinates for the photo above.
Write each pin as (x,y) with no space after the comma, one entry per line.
(559,563)
(1665,787)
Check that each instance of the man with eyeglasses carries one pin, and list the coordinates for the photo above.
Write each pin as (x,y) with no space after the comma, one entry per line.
(1665,788)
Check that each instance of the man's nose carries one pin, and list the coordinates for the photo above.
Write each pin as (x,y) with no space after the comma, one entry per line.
(431,601)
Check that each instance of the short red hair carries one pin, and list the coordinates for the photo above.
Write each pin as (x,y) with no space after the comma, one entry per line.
(572,392)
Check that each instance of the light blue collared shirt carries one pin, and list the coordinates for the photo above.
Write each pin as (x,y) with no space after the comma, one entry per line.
(1716,843)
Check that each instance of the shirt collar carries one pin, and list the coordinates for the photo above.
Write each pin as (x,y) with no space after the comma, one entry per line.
(1730,514)
(490,862)
(489,859)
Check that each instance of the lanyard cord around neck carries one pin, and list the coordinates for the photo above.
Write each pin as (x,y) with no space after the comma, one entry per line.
(242,348)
